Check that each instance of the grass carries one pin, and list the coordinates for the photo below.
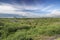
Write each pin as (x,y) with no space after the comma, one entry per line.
(29,28)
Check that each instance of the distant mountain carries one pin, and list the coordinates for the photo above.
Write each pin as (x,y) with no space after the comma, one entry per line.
(11,16)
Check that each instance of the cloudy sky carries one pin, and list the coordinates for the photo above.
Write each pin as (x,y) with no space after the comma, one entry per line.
(31,8)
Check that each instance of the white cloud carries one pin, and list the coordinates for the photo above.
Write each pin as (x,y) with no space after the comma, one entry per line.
(47,8)
(53,13)
(56,12)
(18,9)
(4,8)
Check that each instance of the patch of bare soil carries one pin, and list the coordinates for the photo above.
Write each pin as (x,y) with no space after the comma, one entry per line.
(47,37)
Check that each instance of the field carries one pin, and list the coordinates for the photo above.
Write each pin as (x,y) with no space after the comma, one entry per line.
(29,28)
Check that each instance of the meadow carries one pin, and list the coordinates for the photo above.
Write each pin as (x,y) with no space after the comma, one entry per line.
(29,28)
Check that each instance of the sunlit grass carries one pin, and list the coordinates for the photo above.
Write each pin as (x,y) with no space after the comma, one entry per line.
(29,29)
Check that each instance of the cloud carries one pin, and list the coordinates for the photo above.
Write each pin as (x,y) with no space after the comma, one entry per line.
(47,8)
(56,12)
(17,9)
(7,8)
(29,11)
(53,13)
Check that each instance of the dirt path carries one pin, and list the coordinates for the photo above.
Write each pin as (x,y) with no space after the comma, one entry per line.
(53,38)
(49,38)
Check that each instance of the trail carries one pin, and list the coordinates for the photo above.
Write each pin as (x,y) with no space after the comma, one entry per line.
(53,38)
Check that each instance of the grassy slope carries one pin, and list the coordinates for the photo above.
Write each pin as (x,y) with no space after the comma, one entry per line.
(29,29)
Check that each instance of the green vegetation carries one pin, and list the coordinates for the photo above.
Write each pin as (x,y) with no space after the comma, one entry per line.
(28,28)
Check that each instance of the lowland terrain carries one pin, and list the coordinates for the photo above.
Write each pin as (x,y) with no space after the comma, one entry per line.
(29,28)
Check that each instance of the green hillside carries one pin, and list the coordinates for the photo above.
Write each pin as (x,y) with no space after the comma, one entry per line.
(29,28)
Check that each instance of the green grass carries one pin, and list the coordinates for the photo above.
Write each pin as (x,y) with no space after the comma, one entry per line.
(28,28)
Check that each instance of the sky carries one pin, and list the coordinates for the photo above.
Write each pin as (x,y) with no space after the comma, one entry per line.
(31,8)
